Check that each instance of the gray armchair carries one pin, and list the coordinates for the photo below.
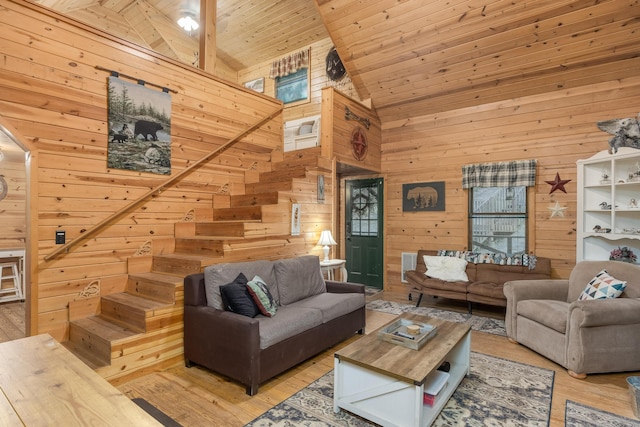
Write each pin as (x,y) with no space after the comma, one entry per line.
(592,336)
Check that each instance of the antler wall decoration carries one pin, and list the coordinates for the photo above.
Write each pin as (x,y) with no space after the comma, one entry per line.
(350,115)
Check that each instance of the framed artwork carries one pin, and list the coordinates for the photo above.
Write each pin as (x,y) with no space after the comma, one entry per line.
(321,188)
(295,219)
(256,84)
(423,196)
(293,87)
(139,121)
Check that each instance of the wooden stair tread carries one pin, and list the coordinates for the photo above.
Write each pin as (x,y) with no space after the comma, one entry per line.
(189,257)
(168,278)
(219,239)
(105,329)
(134,301)
(246,214)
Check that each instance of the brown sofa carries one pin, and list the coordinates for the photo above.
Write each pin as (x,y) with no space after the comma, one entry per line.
(312,315)
(583,336)
(485,284)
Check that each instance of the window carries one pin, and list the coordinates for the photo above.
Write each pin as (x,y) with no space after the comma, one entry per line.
(293,87)
(498,220)
(364,211)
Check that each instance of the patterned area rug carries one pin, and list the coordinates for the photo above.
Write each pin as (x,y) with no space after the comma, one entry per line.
(579,415)
(478,323)
(497,392)
(372,293)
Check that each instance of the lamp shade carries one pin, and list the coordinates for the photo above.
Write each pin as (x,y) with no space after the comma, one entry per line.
(326,240)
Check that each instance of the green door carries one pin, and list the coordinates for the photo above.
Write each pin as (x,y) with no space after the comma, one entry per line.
(364,238)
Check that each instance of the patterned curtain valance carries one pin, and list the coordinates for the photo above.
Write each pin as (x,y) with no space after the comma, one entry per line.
(500,174)
(289,64)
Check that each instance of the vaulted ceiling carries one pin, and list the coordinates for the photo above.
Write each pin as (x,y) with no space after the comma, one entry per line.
(421,57)
(411,57)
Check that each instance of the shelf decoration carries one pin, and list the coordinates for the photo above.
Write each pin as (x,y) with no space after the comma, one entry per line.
(557,210)
(623,254)
(626,133)
(558,184)
(350,115)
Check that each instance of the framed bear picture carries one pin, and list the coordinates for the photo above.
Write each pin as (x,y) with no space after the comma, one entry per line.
(423,196)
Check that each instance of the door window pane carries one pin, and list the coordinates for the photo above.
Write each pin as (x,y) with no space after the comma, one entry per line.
(364,211)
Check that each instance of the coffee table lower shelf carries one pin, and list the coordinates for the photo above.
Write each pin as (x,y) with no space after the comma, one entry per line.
(389,401)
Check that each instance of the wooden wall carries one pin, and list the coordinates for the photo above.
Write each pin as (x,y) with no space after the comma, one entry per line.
(319,80)
(54,98)
(556,128)
(337,132)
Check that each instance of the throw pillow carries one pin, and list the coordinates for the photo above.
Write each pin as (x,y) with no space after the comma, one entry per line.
(236,297)
(449,269)
(262,297)
(603,286)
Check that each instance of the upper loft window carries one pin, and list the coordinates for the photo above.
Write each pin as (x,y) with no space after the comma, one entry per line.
(293,87)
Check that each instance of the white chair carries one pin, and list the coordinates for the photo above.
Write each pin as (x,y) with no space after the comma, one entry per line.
(14,275)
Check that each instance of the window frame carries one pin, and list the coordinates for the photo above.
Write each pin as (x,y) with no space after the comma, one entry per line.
(292,82)
(487,215)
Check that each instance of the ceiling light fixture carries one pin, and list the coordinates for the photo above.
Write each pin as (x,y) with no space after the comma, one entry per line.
(188,22)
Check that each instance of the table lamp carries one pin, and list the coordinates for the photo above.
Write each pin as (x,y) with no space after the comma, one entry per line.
(326,240)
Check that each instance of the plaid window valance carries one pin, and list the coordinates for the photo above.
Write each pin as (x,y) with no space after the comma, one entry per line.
(500,174)
(289,64)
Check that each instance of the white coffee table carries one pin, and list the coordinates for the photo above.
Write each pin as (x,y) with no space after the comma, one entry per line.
(384,382)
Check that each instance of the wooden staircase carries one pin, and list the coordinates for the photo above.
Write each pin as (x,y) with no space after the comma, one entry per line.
(129,331)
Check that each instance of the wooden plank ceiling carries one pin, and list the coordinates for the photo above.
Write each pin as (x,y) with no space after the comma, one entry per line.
(411,57)
(419,57)
(248,32)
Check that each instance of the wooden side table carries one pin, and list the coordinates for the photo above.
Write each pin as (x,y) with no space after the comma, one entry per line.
(334,264)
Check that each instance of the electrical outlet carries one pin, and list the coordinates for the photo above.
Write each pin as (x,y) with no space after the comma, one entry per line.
(60,237)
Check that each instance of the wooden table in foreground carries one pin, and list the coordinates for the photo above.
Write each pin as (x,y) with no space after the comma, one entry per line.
(44,384)
(384,382)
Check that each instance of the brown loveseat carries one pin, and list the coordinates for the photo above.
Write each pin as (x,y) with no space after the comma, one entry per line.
(485,284)
(312,315)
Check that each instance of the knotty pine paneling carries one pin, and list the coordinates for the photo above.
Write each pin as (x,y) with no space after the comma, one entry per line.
(318,81)
(337,131)
(419,59)
(557,128)
(60,115)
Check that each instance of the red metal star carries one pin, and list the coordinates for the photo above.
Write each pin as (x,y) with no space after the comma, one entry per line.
(558,184)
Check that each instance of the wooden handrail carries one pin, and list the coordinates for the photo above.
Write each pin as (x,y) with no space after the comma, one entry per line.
(158,189)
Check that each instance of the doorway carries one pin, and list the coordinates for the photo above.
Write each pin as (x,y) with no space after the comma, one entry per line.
(364,236)
(13,237)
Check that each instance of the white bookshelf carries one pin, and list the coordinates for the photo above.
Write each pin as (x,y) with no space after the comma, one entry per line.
(619,215)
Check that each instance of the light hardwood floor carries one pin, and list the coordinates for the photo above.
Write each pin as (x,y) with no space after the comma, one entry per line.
(196,396)
(11,321)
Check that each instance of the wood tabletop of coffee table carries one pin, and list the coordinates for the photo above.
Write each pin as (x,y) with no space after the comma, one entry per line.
(400,362)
